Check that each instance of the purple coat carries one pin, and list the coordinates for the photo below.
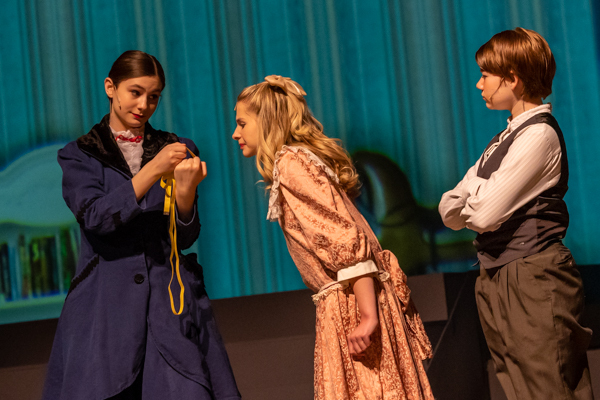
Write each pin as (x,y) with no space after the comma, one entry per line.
(119,293)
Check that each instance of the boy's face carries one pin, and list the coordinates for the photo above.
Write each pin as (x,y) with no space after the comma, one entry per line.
(497,92)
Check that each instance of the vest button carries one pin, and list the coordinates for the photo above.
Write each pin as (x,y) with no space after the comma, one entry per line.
(139,278)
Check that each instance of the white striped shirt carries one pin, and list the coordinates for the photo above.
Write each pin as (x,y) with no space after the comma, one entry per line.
(530,167)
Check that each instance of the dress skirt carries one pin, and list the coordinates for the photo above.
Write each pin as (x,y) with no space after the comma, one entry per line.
(391,368)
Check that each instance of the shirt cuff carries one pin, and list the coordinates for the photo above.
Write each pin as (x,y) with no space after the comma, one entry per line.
(360,269)
(180,222)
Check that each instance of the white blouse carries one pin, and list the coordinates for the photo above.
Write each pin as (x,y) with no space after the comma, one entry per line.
(132,151)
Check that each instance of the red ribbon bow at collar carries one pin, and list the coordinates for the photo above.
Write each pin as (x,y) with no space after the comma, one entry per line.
(136,139)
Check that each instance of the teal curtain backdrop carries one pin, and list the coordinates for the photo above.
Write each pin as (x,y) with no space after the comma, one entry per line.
(397,77)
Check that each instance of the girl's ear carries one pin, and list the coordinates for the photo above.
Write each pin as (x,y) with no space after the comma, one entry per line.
(109,88)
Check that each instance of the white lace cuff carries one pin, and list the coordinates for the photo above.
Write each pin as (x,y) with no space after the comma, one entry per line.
(360,269)
(274,204)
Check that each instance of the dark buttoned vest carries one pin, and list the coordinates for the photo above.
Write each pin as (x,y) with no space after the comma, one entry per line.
(536,225)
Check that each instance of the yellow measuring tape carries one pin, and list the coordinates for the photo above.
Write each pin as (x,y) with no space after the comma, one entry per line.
(169,185)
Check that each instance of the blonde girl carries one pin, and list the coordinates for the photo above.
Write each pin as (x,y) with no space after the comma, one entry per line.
(370,341)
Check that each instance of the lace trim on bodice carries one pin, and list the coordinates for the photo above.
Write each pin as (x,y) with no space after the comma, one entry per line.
(274,204)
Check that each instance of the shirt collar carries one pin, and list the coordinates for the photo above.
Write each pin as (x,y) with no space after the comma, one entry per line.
(130,133)
(521,118)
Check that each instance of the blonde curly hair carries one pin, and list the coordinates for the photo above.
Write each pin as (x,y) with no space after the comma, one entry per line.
(284,119)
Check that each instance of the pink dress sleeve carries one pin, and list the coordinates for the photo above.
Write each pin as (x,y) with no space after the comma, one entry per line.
(315,216)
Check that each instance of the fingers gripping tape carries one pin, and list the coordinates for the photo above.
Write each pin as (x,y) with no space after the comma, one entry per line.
(169,209)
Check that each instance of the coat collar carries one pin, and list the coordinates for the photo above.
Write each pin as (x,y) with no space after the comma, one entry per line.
(100,143)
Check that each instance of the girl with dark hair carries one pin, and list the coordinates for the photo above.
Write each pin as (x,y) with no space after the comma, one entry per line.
(117,337)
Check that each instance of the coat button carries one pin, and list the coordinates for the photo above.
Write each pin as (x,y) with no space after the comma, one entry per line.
(139,278)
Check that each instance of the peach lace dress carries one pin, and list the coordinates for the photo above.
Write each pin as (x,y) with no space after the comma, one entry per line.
(330,242)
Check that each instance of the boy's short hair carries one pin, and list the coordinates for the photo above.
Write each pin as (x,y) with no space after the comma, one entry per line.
(521,52)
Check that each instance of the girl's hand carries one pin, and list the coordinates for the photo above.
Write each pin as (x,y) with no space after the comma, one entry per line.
(360,339)
(168,158)
(189,173)
(163,164)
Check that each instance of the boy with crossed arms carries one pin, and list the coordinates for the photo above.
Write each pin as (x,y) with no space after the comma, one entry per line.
(529,292)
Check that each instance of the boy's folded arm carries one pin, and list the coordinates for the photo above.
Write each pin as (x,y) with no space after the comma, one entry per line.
(453,202)
(531,166)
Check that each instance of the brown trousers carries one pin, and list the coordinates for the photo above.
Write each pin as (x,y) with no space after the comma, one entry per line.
(530,310)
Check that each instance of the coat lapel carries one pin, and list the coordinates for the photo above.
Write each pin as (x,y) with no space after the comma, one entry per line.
(100,144)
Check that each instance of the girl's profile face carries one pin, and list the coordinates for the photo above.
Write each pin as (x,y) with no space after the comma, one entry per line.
(133,101)
(247,130)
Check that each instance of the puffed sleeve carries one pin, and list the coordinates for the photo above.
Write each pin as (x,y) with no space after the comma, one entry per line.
(317,218)
(95,209)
